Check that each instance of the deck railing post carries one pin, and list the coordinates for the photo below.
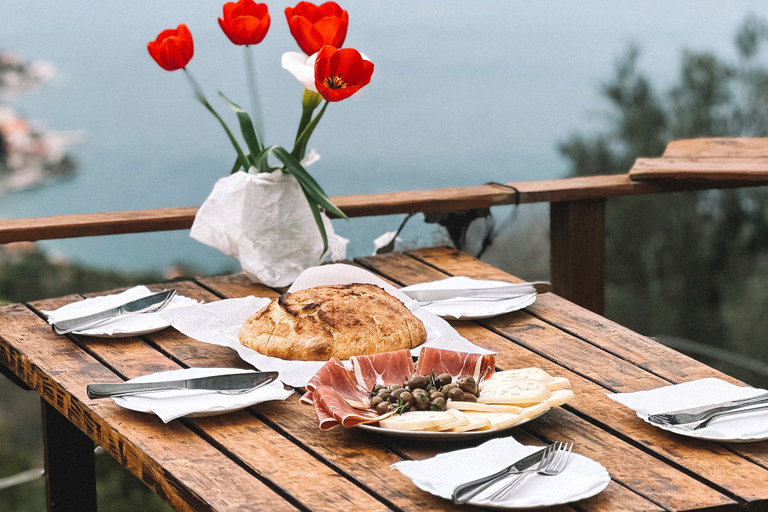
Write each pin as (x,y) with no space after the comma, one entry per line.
(577,252)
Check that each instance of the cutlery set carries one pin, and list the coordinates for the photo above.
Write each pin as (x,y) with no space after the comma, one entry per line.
(548,461)
(697,418)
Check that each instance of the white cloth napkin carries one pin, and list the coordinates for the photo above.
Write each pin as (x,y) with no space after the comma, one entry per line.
(441,474)
(219,322)
(121,326)
(172,404)
(698,393)
(472,307)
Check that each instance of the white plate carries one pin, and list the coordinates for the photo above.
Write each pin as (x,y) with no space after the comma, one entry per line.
(477,309)
(710,433)
(196,403)
(581,479)
(440,436)
(132,325)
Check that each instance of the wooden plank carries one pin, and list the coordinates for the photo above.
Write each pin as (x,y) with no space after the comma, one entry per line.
(696,168)
(70,471)
(577,252)
(712,462)
(392,203)
(58,370)
(735,147)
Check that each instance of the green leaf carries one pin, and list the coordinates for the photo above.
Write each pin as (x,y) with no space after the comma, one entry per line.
(319,220)
(237,166)
(247,129)
(307,182)
(300,147)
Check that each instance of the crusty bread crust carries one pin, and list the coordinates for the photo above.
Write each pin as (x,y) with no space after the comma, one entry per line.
(336,320)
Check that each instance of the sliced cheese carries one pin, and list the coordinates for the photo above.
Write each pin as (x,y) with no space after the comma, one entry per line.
(498,420)
(473,422)
(520,373)
(417,420)
(559,383)
(560,397)
(534,411)
(515,392)
(461,420)
(476,406)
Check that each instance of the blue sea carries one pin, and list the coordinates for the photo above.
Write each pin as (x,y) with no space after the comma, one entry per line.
(464,92)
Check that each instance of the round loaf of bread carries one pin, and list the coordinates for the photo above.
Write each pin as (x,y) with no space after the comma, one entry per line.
(337,320)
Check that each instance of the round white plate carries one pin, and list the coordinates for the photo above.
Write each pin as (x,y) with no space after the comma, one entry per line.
(196,403)
(440,436)
(712,432)
(581,479)
(476,309)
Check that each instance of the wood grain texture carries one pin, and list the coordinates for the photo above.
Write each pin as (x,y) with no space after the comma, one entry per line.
(392,203)
(736,147)
(541,344)
(58,370)
(577,252)
(697,168)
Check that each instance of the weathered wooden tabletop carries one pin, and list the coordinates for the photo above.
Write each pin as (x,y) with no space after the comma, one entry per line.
(274,457)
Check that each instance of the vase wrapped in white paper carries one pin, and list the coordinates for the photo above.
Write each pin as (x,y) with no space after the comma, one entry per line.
(265,222)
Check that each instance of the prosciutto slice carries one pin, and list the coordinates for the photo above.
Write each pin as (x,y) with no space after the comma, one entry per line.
(340,394)
(332,409)
(458,364)
(386,368)
(342,379)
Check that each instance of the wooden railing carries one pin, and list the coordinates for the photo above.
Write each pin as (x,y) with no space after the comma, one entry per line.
(577,207)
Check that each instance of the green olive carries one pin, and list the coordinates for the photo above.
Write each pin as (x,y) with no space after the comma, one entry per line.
(455,394)
(417,381)
(420,399)
(438,404)
(468,385)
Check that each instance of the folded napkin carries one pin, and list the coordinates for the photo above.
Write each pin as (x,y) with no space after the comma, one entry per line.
(172,404)
(219,322)
(473,307)
(130,325)
(699,393)
(441,474)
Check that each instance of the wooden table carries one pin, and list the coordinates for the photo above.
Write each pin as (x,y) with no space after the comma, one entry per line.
(273,456)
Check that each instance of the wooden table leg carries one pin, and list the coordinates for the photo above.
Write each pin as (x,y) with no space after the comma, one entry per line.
(70,473)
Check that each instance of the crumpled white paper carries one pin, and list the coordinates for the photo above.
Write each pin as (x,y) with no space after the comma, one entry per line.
(264,221)
(219,322)
(440,475)
(172,404)
(130,325)
(697,393)
(467,308)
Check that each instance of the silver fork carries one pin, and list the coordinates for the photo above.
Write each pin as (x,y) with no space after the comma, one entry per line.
(551,466)
(731,412)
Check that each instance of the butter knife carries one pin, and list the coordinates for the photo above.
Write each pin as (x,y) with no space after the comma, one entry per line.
(148,304)
(704,412)
(231,382)
(465,492)
(499,291)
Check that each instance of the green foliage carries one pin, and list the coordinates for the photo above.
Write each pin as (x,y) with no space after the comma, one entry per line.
(690,265)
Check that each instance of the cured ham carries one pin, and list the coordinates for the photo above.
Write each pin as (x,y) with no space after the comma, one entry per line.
(342,379)
(332,409)
(341,395)
(386,368)
(458,364)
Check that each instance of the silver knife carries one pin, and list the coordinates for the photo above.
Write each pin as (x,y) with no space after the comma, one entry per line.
(231,382)
(695,414)
(500,291)
(469,490)
(148,304)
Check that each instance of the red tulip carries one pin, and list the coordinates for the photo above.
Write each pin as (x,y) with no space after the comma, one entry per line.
(315,26)
(245,22)
(173,49)
(341,73)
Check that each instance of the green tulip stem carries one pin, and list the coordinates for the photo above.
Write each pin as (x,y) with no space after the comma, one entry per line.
(202,99)
(258,114)
(302,139)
